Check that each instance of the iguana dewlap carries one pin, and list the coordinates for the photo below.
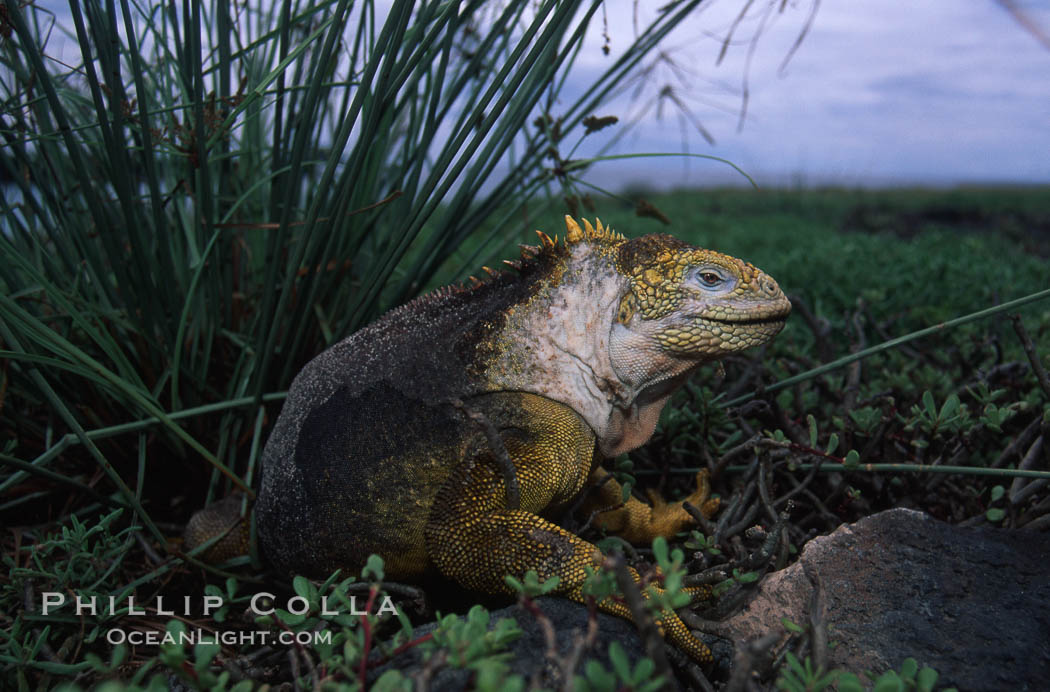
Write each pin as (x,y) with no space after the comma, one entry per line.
(570,359)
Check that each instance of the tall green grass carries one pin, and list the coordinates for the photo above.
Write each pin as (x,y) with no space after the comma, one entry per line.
(213,191)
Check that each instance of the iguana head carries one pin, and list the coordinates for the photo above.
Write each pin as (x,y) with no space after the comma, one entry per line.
(683,305)
(611,326)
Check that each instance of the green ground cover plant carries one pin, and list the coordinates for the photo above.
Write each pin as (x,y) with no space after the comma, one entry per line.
(210,198)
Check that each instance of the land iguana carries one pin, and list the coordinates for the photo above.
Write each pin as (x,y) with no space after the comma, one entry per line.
(442,435)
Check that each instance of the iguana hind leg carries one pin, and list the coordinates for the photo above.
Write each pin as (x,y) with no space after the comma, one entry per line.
(474,539)
(479,550)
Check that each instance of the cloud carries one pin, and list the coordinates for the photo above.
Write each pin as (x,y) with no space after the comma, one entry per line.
(935,92)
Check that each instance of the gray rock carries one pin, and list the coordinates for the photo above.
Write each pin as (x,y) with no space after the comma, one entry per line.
(969,602)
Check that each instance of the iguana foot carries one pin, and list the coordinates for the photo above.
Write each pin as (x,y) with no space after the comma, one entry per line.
(668,518)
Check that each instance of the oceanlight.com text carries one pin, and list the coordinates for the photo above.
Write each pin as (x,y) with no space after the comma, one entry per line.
(193,637)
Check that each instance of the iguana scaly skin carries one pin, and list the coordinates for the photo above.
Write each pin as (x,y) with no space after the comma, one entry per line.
(385,443)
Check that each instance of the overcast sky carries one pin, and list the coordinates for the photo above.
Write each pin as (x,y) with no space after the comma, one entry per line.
(880,92)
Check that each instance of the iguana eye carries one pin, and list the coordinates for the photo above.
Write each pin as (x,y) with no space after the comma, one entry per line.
(709,279)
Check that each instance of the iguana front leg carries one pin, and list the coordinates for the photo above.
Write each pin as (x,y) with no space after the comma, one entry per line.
(637,522)
(473,538)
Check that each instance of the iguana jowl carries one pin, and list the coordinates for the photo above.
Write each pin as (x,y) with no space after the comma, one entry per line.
(569,359)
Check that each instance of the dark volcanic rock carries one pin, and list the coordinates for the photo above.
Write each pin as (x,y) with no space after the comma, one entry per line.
(969,602)
(528,652)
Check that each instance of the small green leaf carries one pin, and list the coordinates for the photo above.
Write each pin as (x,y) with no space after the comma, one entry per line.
(852,459)
(794,664)
(929,404)
(120,652)
(833,444)
(997,492)
(598,676)
(790,626)
(909,668)
(625,491)
(893,684)
(373,568)
(926,679)
(478,616)
(722,587)
(290,619)
(745,577)
(96,662)
(995,515)
(950,407)
(812,430)
(660,550)
(620,664)
(203,654)
(643,670)
(993,417)
(889,682)
(849,682)
(406,623)
(301,586)
(390,681)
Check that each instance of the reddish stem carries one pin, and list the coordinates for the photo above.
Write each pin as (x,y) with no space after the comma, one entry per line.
(367,626)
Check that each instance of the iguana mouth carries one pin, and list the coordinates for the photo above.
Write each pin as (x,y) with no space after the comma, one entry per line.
(744,321)
(775,319)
